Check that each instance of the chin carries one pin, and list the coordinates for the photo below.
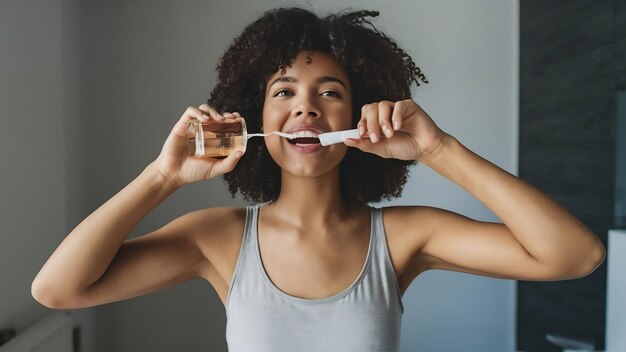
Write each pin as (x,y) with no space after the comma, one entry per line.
(307,165)
(302,168)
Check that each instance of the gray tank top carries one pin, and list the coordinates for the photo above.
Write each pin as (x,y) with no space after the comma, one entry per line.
(366,316)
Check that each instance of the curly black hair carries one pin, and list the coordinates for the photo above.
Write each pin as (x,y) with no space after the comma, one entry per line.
(377,68)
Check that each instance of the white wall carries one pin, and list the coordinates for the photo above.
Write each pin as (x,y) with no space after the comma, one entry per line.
(134,69)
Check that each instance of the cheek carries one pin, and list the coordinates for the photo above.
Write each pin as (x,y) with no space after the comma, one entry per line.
(271,120)
(272,142)
(346,122)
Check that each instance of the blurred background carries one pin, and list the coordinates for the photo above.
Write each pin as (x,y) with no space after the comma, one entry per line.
(89,90)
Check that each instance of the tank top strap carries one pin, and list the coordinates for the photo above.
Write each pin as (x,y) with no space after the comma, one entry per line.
(383,255)
(245,250)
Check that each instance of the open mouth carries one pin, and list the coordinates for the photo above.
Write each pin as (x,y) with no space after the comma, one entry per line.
(304,140)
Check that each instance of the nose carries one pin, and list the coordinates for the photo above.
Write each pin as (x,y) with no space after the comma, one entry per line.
(306,108)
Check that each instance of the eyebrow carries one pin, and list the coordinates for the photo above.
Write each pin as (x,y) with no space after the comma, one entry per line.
(322,79)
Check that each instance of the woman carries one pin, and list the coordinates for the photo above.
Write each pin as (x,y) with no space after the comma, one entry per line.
(313,267)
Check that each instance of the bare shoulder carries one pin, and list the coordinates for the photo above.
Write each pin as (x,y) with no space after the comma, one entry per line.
(414,225)
(216,223)
(218,233)
(406,230)
(408,224)
(445,240)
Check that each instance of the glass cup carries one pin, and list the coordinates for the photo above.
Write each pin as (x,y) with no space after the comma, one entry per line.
(214,139)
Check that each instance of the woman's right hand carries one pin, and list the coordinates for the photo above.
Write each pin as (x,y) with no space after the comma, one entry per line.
(176,164)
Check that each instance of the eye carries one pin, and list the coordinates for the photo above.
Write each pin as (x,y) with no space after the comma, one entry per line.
(331,94)
(280,93)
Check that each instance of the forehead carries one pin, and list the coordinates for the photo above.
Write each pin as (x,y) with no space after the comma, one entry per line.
(312,64)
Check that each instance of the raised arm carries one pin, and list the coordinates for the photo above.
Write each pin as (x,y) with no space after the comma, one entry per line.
(94,264)
(539,240)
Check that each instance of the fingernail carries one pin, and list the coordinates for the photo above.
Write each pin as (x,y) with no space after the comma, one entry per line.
(205,117)
(396,125)
(238,154)
(387,132)
(373,137)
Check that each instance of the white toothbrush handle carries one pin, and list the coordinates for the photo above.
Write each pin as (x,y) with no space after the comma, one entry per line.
(338,136)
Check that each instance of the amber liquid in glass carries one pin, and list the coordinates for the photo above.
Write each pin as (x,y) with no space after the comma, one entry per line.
(216,139)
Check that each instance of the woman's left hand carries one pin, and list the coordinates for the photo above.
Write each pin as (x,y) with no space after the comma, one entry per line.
(400,130)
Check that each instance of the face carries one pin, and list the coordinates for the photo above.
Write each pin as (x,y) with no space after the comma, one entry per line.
(312,95)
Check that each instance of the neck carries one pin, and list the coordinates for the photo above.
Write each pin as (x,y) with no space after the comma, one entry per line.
(306,202)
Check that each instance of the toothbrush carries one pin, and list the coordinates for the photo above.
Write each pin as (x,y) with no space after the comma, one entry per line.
(326,139)
(286,135)
(338,136)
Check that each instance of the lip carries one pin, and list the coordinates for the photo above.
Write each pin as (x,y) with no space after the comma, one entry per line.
(309,148)
(306,127)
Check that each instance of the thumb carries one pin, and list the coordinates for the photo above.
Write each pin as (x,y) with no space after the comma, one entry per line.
(227,164)
(363,144)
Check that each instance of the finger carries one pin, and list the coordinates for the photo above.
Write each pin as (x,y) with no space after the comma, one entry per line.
(180,128)
(399,111)
(362,124)
(361,144)
(384,117)
(209,110)
(194,112)
(373,128)
(229,115)
(227,164)
(365,145)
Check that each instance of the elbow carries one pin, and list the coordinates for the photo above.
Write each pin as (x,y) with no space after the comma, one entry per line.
(576,269)
(39,295)
(44,296)
(596,259)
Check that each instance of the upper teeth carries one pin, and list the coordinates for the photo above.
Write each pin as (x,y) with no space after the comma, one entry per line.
(301,134)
